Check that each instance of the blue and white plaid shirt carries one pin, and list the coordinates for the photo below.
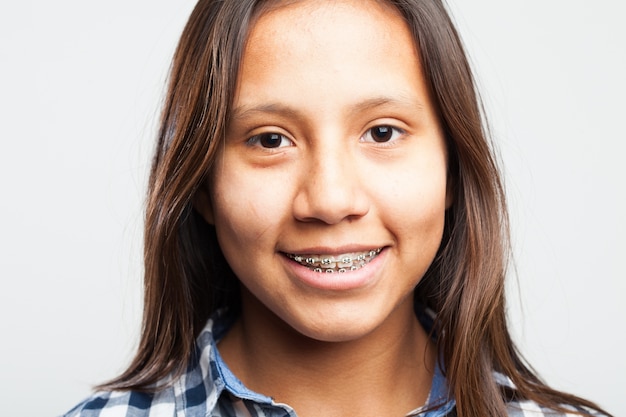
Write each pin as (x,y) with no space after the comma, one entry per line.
(209,389)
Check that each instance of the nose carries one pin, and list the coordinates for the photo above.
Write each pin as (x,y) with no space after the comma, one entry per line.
(331,188)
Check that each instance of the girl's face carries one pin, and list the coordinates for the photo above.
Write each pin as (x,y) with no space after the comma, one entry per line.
(329,196)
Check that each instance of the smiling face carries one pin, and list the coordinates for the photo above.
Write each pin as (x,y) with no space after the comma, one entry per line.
(328,198)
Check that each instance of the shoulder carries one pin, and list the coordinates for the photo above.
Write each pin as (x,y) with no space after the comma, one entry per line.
(122,404)
(528,408)
(193,393)
(532,409)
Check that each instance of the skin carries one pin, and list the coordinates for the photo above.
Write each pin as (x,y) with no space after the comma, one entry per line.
(301,173)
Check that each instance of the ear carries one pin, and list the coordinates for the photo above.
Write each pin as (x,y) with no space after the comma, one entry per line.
(202,204)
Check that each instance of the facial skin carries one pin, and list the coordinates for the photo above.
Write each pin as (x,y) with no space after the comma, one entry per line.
(334,150)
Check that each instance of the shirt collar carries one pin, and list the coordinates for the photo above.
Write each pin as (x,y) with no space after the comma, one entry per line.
(216,374)
(219,376)
(440,402)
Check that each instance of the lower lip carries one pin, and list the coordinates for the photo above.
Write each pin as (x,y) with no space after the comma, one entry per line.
(349,280)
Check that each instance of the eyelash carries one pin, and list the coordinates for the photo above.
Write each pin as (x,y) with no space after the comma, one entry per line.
(395,134)
(256,140)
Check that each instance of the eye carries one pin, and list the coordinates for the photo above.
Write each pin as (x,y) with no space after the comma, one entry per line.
(269,140)
(381,134)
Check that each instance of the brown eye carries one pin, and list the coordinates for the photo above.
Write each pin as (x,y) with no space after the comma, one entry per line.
(381,133)
(269,140)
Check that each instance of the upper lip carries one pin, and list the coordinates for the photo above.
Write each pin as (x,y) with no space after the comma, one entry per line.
(336,250)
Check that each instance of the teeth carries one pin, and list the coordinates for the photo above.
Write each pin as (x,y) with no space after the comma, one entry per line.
(341,263)
(328,262)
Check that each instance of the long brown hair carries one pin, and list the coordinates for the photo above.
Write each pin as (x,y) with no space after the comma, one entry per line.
(187,278)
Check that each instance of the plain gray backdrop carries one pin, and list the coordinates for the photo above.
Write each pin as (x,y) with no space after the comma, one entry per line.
(80,88)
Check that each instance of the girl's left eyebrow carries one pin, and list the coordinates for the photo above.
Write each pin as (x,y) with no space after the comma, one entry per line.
(244,111)
(384,101)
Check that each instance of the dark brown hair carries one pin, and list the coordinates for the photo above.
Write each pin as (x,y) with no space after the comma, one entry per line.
(187,278)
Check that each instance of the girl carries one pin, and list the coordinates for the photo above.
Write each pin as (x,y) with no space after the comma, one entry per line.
(325,231)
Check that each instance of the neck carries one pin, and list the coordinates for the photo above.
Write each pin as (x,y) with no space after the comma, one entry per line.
(386,372)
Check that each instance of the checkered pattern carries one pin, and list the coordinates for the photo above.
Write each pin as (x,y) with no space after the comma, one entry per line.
(209,389)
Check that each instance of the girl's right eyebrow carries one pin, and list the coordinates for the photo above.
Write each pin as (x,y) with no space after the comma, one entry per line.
(245,111)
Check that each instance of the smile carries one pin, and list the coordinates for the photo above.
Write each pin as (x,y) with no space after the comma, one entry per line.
(330,264)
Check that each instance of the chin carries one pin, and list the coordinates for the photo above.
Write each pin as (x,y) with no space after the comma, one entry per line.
(337,327)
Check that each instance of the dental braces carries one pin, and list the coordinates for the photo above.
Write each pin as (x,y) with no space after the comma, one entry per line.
(340,264)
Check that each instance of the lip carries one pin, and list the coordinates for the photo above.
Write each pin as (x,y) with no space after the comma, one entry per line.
(335,250)
(347,281)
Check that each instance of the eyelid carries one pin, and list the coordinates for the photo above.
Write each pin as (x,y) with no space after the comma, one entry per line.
(254,140)
(398,133)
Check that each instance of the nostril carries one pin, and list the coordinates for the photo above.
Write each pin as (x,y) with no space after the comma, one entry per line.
(329,208)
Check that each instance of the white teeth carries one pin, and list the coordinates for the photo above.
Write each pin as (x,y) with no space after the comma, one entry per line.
(330,264)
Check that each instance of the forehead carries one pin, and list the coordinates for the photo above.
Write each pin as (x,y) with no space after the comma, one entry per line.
(330,47)
(279,20)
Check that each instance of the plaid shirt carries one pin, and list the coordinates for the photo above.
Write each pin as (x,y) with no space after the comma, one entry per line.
(209,389)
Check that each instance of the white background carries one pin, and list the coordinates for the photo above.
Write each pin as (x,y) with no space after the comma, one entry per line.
(79,98)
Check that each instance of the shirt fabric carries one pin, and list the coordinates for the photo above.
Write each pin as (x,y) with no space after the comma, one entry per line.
(209,389)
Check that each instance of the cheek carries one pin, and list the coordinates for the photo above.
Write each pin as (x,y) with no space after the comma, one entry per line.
(420,220)
(413,205)
(417,192)
(245,209)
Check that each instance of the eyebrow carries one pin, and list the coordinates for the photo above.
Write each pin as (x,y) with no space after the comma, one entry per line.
(384,101)
(242,112)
